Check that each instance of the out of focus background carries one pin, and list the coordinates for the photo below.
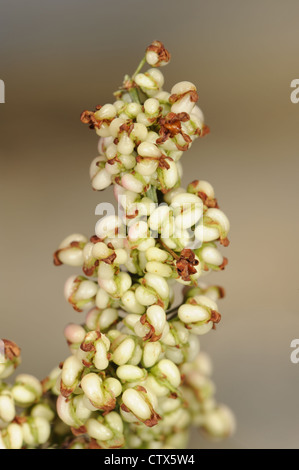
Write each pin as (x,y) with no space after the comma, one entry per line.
(60,57)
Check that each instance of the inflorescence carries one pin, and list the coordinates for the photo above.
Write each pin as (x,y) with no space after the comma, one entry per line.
(135,377)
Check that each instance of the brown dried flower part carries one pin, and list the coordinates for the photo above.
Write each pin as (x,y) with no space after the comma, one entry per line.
(185,264)
(11,350)
(192,94)
(163,54)
(79,431)
(127,127)
(88,117)
(171,126)
(87,346)
(56,259)
(151,335)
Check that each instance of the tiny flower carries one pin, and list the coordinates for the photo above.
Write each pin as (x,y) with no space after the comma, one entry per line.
(36,430)
(219,423)
(183,97)
(11,437)
(200,314)
(71,374)
(94,350)
(138,402)
(26,390)
(70,250)
(101,319)
(11,359)
(80,292)
(156,54)
(100,395)
(7,406)
(106,430)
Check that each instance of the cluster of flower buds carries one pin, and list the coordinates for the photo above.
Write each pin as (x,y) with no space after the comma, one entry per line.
(135,377)
(26,412)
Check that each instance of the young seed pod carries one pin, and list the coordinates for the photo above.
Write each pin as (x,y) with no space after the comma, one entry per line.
(43,410)
(99,396)
(11,437)
(183,96)
(94,350)
(122,349)
(10,357)
(167,373)
(71,375)
(131,304)
(26,390)
(70,250)
(130,373)
(36,431)
(7,406)
(102,320)
(80,292)
(151,354)
(138,402)
(219,423)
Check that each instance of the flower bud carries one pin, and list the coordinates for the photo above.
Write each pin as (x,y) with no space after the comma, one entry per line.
(100,397)
(151,354)
(70,250)
(137,401)
(183,96)
(130,373)
(7,406)
(11,437)
(80,292)
(74,334)
(167,373)
(10,358)
(97,319)
(71,374)
(220,422)
(26,390)
(156,54)
(36,431)
(94,350)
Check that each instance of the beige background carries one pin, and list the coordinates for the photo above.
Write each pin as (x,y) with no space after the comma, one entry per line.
(58,58)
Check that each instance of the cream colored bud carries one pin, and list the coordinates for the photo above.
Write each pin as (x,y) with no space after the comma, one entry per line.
(130,303)
(145,296)
(129,373)
(36,431)
(125,145)
(71,372)
(151,106)
(156,254)
(146,82)
(158,283)
(134,401)
(124,351)
(74,333)
(115,125)
(97,430)
(139,132)
(7,406)
(170,371)
(26,390)
(102,299)
(157,76)
(193,313)
(151,353)
(108,111)
(161,269)
(131,183)
(91,385)
(11,437)
(220,422)
(148,149)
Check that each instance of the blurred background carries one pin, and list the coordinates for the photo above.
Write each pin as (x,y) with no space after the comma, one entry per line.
(60,57)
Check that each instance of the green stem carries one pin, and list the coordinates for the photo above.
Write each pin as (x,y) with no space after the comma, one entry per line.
(134,95)
(139,68)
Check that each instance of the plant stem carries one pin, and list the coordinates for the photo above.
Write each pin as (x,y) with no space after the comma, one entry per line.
(141,64)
